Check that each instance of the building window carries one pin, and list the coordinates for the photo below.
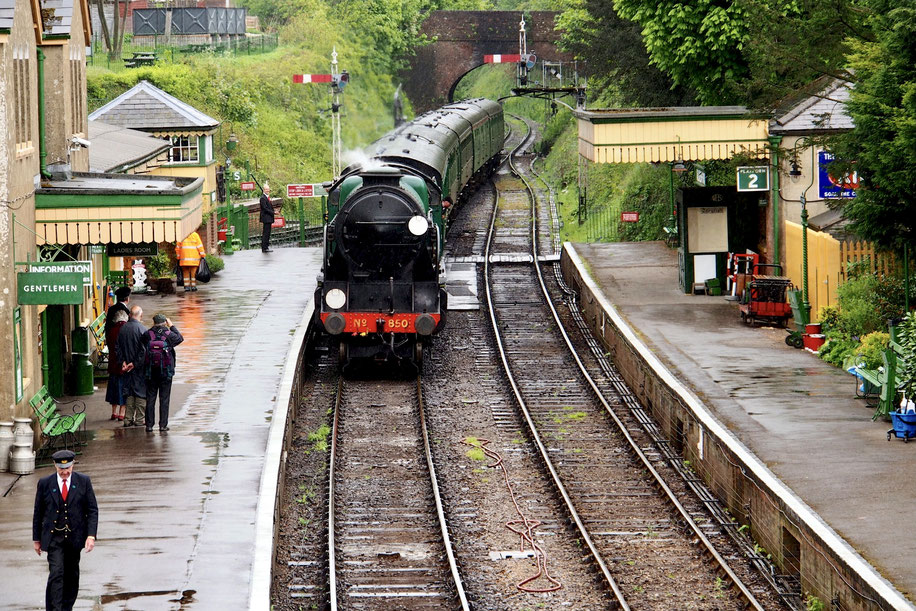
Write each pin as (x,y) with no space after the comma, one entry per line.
(184,149)
(17,352)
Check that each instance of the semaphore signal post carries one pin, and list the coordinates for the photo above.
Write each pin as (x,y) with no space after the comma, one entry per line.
(337,80)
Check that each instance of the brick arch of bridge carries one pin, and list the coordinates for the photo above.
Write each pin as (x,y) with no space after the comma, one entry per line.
(462,38)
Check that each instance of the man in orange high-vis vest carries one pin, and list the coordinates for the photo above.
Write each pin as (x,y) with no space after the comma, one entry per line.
(189,252)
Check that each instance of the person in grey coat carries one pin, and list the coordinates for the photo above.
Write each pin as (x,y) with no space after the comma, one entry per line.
(132,354)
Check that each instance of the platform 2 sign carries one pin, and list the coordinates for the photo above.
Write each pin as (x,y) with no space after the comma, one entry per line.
(830,187)
(754,178)
(50,288)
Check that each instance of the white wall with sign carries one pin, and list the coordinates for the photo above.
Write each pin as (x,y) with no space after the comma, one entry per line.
(707,229)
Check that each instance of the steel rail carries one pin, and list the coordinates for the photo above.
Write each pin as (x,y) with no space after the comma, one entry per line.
(440,511)
(443,525)
(723,564)
(332,568)
(580,525)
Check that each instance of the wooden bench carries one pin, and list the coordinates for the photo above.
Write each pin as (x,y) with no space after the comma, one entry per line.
(59,431)
(97,328)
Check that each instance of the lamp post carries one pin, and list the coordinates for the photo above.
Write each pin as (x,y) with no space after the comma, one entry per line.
(806,305)
(231,145)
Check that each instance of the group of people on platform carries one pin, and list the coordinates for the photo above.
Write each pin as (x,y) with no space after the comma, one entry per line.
(141,364)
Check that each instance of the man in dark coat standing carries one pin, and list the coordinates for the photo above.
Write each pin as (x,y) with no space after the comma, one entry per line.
(132,354)
(65,522)
(267,218)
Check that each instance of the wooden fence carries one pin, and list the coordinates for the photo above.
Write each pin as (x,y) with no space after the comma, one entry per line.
(828,263)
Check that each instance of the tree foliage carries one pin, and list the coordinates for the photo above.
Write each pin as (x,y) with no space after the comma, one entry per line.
(882,146)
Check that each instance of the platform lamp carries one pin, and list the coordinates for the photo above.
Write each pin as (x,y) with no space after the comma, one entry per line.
(806,305)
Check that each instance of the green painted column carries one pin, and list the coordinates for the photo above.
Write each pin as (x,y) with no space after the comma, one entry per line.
(775,141)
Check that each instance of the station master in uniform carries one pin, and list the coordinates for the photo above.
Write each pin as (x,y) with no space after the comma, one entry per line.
(64,523)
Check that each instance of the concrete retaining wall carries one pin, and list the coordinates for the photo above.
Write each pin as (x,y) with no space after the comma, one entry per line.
(796,538)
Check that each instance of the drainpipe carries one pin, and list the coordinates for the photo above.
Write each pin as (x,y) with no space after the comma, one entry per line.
(774,194)
(42,149)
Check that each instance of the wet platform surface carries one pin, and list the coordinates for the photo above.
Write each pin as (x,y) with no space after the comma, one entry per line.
(177,509)
(798,414)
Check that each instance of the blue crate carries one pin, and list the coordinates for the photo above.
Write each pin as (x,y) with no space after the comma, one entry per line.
(904,426)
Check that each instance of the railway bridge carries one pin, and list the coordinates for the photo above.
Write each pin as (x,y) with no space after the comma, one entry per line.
(462,38)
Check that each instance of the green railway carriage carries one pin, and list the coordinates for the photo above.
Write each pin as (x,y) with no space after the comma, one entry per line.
(381,289)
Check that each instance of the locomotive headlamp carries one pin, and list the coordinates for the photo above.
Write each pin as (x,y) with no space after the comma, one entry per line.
(418,225)
(335,299)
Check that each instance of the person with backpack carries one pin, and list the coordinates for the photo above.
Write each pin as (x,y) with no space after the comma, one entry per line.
(160,341)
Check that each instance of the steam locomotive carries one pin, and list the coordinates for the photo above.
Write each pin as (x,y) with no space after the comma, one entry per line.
(381,288)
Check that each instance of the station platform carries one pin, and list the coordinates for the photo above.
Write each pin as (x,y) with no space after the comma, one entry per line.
(177,509)
(798,414)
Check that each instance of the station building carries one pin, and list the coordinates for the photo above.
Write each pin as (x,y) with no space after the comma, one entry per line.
(59,222)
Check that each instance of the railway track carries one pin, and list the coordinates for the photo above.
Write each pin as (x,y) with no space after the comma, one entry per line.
(388,541)
(641,538)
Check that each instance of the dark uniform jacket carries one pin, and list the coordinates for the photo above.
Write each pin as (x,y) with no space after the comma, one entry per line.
(267,209)
(80,513)
(109,316)
(130,349)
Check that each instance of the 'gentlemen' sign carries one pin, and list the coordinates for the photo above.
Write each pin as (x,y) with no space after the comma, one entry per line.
(50,288)
(64,267)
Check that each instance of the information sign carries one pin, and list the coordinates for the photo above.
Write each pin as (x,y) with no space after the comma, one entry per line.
(629,217)
(246,186)
(133,249)
(830,187)
(312,190)
(754,178)
(84,268)
(50,288)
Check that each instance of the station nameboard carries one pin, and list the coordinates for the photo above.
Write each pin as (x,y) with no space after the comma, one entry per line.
(132,249)
(50,288)
(754,178)
(84,268)
(313,190)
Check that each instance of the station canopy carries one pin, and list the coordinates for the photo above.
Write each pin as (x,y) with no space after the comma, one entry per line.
(661,135)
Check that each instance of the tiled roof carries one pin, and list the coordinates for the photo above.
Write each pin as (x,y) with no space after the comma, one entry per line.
(56,17)
(7,7)
(825,111)
(115,149)
(148,108)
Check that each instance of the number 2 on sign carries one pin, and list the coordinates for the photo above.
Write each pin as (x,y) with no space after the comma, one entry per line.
(752,183)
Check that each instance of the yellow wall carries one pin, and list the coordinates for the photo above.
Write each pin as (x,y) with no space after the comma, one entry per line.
(825,271)
(828,259)
(208,173)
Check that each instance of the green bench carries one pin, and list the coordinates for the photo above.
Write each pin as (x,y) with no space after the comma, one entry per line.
(881,384)
(59,431)
(97,328)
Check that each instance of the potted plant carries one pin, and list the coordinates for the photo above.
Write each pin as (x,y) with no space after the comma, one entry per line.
(159,273)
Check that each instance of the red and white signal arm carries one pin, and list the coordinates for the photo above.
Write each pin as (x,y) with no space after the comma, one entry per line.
(629,217)
(279,222)
(312,78)
(502,59)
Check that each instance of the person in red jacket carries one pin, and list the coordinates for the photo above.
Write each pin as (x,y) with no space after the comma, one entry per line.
(189,252)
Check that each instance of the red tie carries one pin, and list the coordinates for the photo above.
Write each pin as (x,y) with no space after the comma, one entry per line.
(63,491)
